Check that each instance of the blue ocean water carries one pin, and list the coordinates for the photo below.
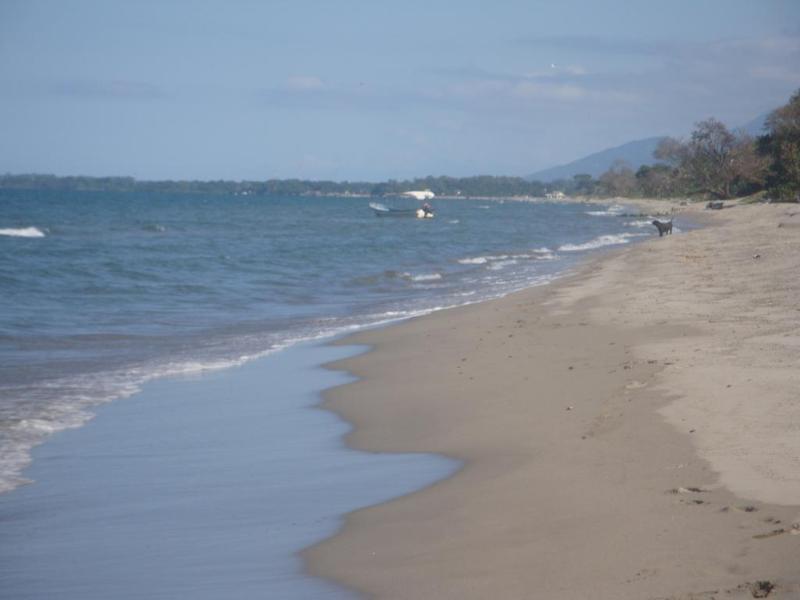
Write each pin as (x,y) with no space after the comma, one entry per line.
(102,292)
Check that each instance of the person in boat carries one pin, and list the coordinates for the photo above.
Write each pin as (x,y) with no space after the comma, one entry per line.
(427,209)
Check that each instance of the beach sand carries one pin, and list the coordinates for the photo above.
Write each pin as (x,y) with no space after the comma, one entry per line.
(630,431)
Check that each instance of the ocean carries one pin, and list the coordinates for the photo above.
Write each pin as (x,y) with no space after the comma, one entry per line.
(104,294)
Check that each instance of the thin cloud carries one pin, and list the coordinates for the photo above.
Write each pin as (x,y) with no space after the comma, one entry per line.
(598,44)
(699,78)
(303,83)
(554,71)
(114,90)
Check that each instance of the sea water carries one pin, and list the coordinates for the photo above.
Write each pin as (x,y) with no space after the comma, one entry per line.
(203,487)
(104,292)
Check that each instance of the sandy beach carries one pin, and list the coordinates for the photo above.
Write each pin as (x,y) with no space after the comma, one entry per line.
(630,431)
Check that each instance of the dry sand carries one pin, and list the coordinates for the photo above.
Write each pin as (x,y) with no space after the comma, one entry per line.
(629,432)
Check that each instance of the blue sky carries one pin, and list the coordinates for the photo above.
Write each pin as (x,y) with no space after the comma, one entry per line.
(372,90)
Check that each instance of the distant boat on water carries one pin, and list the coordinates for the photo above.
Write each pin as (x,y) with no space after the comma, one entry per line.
(381,210)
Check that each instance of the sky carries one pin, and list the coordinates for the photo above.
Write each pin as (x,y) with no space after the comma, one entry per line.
(374,90)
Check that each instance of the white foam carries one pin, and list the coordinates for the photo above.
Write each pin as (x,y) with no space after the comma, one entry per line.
(426,277)
(612,211)
(599,242)
(477,260)
(80,394)
(501,260)
(638,223)
(502,264)
(28,232)
(544,253)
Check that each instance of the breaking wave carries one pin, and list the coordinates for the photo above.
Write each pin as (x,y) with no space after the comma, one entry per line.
(600,241)
(27,232)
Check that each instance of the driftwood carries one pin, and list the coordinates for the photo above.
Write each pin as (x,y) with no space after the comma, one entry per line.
(715,205)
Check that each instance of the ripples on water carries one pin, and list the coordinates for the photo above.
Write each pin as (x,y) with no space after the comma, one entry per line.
(101,291)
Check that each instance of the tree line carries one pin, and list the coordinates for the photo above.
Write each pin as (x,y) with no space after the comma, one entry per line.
(714,162)
(483,185)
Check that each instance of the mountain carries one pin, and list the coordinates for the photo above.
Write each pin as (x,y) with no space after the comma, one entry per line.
(636,154)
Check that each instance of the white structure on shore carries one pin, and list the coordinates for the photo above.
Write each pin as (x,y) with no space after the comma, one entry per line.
(420,194)
(557,195)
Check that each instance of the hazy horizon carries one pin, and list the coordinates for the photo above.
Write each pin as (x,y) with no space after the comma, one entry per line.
(373,91)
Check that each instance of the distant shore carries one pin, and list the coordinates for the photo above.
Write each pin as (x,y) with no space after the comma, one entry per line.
(483,187)
(628,432)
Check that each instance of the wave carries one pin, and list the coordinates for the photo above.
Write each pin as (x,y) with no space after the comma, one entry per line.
(80,394)
(423,276)
(477,260)
(600,241)
(28,232)
(639,223)
(543,253)
(502,264)
(612,211)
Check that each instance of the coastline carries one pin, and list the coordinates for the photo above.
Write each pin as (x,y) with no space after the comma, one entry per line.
(204,483)
(626,432)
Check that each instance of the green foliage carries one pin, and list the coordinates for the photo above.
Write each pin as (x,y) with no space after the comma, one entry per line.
(781,145)
(619,180)
(583,184)
(714,161)
(658,181)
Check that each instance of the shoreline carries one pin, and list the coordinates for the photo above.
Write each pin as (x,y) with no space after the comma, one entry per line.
(204,483)
(553,398)
(109,380)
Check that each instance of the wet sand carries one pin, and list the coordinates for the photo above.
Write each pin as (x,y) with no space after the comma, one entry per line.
(631,431)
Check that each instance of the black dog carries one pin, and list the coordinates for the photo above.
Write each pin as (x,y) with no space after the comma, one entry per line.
(663,228)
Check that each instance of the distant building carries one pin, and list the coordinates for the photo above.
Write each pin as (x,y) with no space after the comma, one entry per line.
(420,194)
(555,195)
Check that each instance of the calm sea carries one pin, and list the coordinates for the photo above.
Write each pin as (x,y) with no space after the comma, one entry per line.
(102,292)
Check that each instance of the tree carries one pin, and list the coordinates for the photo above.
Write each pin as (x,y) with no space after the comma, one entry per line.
(583,184)
(781,145)
(714,161)
(619,180)
(657,181)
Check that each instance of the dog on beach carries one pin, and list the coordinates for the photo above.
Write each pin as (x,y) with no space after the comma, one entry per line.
(663,228)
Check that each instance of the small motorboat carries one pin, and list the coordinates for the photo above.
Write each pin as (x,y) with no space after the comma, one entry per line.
(381,210)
